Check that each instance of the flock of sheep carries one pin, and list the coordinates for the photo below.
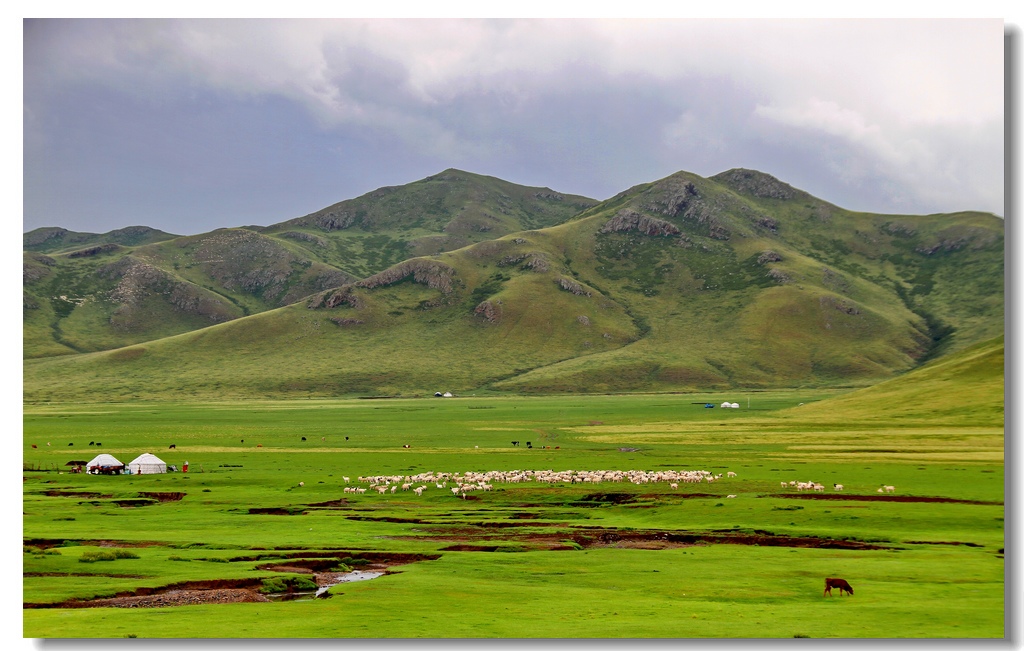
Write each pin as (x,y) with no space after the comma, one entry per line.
(484,481)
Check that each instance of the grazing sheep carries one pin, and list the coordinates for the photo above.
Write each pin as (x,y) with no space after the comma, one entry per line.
(880,490)
(838,487)
(673,486)
(730,474)
(729,496)
(785,485)
(889,489)
(346,479)
(302,483)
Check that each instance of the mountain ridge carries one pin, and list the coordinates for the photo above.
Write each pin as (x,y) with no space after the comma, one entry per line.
(678,284)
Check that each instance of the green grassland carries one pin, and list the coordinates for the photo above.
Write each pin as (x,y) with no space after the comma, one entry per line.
(535,559)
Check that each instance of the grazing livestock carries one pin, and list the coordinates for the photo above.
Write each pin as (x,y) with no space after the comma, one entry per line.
(728,496)
(529,445)
(406,446)
(515,444)
(346,438)
(889,489)
(836,583)
(730,474)
(172,446)
(70,444)
(302,483)
(303,438)
(838,487)
(92,442)
(33,446)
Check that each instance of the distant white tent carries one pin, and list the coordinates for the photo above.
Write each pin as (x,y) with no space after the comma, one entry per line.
(735,405)
(147,464)
(726,405)
(104,464)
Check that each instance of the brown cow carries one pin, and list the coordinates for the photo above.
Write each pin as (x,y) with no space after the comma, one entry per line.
(837,583)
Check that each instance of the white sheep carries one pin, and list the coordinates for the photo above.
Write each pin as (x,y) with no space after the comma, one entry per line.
(729,496)
(838,487)
(889,489)
(730,474)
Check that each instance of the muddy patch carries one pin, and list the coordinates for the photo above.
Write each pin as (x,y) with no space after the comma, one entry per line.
(79,494)
(217,591)
(163,497)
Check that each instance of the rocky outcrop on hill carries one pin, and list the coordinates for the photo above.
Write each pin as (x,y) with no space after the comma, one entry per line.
(489,311)
(94,250)
(754,183)
(35,266)
(630,220)
(768,256)
(138,281)
(332,220)
(572,286)
(533,261)
(433,274)
(305,237)
(681,199)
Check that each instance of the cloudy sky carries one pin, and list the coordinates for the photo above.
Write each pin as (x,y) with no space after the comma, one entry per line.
(191,125)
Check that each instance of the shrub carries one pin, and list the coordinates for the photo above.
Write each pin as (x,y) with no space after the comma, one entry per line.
(106,555)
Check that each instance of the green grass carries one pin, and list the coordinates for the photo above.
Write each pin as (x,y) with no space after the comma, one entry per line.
(938,573)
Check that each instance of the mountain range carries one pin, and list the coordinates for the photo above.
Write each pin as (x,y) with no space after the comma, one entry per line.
(465,282)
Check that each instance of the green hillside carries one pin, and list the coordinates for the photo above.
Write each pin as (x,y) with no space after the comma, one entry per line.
(100,292)
(678,285)
(55,239)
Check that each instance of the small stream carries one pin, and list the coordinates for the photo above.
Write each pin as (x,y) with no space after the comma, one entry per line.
(351,577)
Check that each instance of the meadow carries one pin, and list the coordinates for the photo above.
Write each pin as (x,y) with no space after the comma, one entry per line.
(524,560)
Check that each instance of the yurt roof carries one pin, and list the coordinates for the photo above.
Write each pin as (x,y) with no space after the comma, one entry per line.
(104,460)
(146,458)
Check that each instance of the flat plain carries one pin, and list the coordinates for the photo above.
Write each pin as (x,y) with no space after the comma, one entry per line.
(265,507)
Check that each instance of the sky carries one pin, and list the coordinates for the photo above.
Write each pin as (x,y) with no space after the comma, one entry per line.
(188,125)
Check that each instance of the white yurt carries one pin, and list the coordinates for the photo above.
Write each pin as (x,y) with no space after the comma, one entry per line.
(735,405)
(147,464)
(104,464)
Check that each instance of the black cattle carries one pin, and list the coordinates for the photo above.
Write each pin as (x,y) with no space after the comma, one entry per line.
(70,444)
(836,583)
(92,442)
(303,438)
(172,447)
(528,444)
(515,444)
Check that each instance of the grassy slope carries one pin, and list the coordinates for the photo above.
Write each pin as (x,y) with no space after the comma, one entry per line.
(691,310)
(230,273)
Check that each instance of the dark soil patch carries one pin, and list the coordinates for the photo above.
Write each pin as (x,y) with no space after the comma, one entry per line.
(130,503)
(238,590)
(164,497)
(879,498)
(276,511)
(933,542)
